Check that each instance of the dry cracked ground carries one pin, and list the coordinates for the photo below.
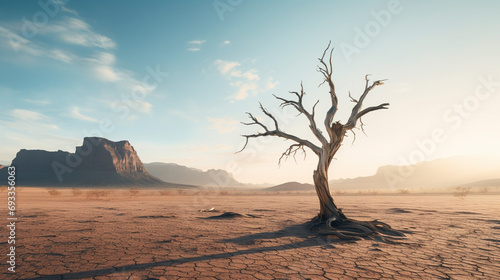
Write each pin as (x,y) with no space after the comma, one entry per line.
(146,235)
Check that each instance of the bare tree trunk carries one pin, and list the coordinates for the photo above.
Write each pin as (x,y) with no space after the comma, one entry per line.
(328,210)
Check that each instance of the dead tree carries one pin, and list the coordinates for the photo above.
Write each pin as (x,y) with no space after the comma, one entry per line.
(330,218)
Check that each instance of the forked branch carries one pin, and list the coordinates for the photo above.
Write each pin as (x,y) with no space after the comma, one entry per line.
(292,151)
(276,132)
(326,69)
(299,106)
(357,113)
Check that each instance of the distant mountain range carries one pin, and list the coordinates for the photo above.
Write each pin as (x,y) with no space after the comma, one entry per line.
(291,186)
(483,184)
(179,174)
(437,174)
(101,162)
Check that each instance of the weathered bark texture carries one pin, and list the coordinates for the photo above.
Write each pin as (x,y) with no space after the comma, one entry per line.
(329,215)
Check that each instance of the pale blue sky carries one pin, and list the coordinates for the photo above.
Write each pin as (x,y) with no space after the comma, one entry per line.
(64,71)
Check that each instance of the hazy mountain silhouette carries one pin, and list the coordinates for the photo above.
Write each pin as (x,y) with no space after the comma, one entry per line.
(291,186)
(483,183)
(179,174)
(438,173)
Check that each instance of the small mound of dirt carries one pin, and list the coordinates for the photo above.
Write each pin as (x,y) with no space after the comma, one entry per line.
(467,213)
(398,211)
(231,215)
(227,215)
(155,217)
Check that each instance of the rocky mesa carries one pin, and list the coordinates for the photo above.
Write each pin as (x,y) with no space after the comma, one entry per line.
(98,162)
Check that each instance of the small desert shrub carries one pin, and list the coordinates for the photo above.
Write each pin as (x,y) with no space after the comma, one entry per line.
(53,192)
(462,192)
(337,192)
(76,192)
(165,193)
(483,190)
(404,191)
(134,192)
(96,194)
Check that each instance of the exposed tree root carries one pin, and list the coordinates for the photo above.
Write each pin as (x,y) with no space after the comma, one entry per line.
(350,229)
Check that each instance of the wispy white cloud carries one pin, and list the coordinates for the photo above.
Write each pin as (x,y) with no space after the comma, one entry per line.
(245,82)
(38,102)
(143,106)
(61,55)
(225,66)
(64,8)
(26,115)
(196,42)
(250,75)
(226,42)
(18,43)
(75,31)
(27,121)
(195,45)
(223,125)
(75,113)
(244,90)
(271,83)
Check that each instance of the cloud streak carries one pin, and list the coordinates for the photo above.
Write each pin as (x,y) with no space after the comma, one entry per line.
(245,82)
(195,45)
(75,113)
(223,125)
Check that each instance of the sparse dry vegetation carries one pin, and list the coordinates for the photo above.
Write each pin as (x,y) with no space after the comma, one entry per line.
(76,192)
(165,193)
(483,190)
(53,192)
(462,192)
(96,194)
(134,192)
(404,191)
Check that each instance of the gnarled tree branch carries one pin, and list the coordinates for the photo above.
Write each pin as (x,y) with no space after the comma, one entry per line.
(356,113)
(276,132)
(326,69)
(292,150)
(299,106)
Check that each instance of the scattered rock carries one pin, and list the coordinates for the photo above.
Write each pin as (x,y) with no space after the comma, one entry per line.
(231,215)
(209,210)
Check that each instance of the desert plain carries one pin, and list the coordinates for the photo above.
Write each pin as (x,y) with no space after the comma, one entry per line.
(152,234)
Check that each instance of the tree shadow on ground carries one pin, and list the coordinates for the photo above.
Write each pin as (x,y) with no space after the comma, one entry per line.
(293,237)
